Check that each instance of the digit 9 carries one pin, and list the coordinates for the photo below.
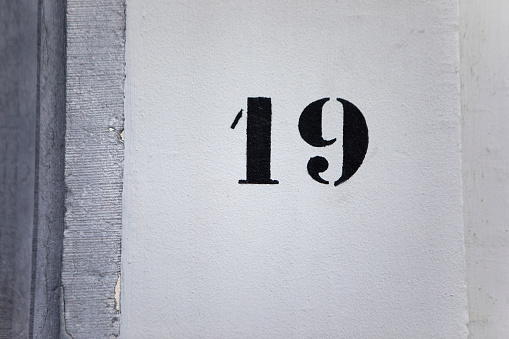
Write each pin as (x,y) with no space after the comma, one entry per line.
(355,139)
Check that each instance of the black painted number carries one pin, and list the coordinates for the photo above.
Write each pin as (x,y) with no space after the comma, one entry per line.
(259,123)
(355,139)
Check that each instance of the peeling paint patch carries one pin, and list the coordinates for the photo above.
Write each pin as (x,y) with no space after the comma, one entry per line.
(122,135)
(117,294)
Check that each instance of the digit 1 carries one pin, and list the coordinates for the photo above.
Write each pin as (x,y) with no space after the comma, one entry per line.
(259,123)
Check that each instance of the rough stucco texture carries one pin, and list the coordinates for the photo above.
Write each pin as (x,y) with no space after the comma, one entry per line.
(380,256)
(93,167)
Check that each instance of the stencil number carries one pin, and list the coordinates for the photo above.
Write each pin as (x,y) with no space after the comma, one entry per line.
(259,124)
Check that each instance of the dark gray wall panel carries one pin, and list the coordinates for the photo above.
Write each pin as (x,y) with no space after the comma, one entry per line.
(32,149)
(18,115)
(93,166)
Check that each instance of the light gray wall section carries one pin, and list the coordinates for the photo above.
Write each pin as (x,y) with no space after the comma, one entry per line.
(93,166)
(18,111)
(49,217)
(485,109)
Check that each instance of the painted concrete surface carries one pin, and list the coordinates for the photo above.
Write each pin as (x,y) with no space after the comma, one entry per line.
(379,256)
(484,98)
(485,105)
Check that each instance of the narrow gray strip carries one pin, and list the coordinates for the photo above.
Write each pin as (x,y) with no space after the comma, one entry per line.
(49,174)
(93,166)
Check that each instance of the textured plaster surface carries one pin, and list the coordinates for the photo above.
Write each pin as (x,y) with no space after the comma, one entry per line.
(93,167)
(379,256)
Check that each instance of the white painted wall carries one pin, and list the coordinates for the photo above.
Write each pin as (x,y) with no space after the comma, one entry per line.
(380,256)
(485,105)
